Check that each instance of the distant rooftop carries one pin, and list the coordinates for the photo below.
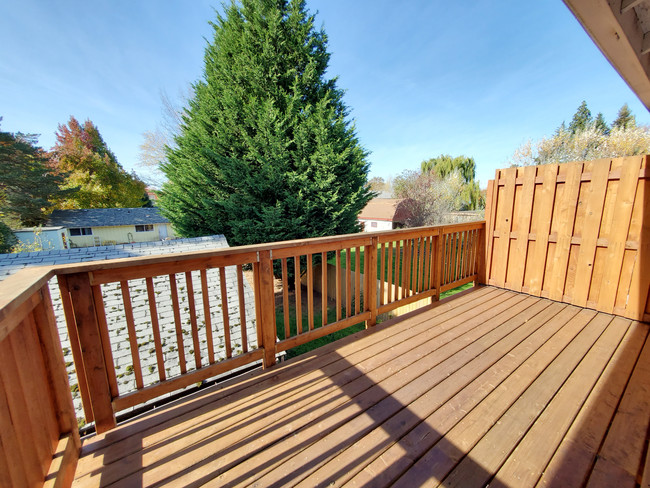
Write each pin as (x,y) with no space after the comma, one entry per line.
(106,217)
(384,209)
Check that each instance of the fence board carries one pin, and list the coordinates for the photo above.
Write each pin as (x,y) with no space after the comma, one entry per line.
(503,225)
(519,248)
(590,230)
(618,234)
(565,218)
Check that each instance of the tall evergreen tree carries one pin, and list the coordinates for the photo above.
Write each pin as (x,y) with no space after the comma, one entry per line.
(28,187)
(624,119)
(102,182)
(581,119)
(600,125)
(266,151)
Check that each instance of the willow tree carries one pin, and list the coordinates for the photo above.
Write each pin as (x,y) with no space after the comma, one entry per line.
(266,150)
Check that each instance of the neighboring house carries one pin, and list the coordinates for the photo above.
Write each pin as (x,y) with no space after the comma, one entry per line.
(108,226)
(42,238)
(383,214)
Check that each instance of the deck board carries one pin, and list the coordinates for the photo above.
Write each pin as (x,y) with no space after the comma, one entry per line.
(491,387)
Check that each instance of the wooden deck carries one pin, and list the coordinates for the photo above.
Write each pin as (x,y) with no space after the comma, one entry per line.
(491,387)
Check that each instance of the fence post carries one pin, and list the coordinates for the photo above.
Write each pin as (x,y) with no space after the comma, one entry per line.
(266,301)
(85,318)
(481,256)
(371,281)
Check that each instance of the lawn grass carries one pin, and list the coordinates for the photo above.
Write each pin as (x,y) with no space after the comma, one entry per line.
(398,247)
(318,322)
(331,317)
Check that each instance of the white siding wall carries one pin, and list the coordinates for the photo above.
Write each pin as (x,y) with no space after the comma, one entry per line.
(122,234)
(376,225)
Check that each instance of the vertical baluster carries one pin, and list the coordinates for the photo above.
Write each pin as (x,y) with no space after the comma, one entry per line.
(338,284)
(348,282)
(285,298)
(310,292)
(155,328)
(406,269)
(323,294)
(415,266)
(475,251)
(224,311)
(450,273)
(460,247)
(371,281)
(207,315)
(242,307)
(98,298)
(421,273)
(389,279)
(382,270)
(468,253)
(177,323)
(426,270)
(193,323)
(133,338)
(296,262)
(357,280)
(398,269)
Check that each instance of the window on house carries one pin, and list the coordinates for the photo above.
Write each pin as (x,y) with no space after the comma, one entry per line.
(373,224)
(81,231)
(144,228)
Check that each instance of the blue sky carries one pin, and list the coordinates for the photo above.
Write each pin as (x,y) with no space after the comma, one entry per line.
(422,78)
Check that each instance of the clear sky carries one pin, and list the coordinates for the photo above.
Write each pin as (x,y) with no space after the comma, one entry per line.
(422,78)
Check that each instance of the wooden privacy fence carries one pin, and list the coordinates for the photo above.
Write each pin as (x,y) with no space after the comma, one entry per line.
(414,263)
(577,233)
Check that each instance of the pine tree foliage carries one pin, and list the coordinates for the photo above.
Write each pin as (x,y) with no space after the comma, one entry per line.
(28,187)
(581,119)
(102,182)
(623,138)
(624,119)
(600,125)
(266,151)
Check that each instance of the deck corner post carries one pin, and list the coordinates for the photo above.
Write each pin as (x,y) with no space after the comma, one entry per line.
(57,375)
(266,303)
(481,279)
(90,341)
(371,281)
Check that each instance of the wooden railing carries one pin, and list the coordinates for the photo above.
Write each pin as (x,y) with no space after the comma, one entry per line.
(186,318)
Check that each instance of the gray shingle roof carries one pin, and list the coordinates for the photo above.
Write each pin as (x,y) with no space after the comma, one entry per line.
(106,217)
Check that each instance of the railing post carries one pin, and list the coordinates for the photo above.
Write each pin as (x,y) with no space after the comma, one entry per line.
(55,365)
(266,302)
(85,318)
(371,281)
(482,258)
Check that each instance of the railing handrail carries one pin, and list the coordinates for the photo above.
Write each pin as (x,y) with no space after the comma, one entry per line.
(236,250)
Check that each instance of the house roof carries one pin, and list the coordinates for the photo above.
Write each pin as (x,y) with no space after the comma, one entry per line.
(106,217)
(384,209)
(620,29)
